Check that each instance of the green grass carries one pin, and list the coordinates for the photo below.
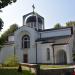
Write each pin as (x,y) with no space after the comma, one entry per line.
(53,66)
(14,72)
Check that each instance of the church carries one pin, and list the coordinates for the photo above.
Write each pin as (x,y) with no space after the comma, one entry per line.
(32,43)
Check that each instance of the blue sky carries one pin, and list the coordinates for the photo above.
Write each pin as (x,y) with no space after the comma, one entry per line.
(54,11)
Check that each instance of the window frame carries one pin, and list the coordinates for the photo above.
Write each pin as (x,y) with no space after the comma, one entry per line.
(48,54)
(25,41)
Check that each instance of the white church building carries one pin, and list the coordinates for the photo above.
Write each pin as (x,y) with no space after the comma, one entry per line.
(32,43)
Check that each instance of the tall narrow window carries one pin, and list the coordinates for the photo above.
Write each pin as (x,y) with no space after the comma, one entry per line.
(25,41)
(48,54)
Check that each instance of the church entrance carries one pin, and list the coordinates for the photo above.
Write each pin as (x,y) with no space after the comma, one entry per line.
(25,58)
(61,57)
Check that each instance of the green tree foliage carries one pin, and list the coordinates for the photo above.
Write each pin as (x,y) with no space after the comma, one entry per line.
(4,3)
(71,23)
(10,31)
(1,24)
(0,10)
(58,25)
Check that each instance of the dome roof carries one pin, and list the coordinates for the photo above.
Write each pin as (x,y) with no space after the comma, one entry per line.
(33,19)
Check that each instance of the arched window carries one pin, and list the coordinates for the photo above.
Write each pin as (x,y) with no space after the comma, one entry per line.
(48,54)
(25,41)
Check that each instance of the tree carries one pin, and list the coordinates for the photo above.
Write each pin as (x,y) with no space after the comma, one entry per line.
(0,10)
(4,3)
(58,25)
(12,29)
(6,34)
(1,24)
(70,23)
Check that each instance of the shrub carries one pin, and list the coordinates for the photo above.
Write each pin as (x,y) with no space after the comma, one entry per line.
(11,61)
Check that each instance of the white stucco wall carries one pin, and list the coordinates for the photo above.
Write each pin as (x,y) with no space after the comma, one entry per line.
(42,53)
(41,48)
(57,48)
(31,51)
(70,46)
(11,38)
(53,33)
(6,52)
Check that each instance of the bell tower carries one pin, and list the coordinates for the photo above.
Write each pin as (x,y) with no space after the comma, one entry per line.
(33,20)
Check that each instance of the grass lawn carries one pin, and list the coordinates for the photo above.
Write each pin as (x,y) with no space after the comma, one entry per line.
(14,72)
(53,66)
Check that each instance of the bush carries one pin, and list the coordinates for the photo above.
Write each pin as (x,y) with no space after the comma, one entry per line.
(11,61)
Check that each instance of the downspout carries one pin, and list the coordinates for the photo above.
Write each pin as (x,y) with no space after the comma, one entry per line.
(36,52)
(53,54)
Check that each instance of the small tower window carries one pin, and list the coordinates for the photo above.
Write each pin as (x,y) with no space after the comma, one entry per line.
(25,41)
(34,24)
(31,24)
(48,54)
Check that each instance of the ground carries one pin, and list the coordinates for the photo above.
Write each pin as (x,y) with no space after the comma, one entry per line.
(44,70)
(56,69)
(54,66)
(12,71)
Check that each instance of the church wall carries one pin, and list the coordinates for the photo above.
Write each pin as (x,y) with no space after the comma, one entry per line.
(70,47)
(41,48)
(69,54)
(39,52)
(11,38)
(42,53)
(19,54)
(6,52)
(53,33)
(57,48)
(31,51)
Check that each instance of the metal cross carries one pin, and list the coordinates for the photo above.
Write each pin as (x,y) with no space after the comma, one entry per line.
(33,7)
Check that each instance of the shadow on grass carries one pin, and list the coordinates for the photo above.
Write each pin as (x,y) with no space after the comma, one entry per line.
(14,72)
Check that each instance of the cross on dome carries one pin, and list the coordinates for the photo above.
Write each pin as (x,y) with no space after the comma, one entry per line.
(33,7)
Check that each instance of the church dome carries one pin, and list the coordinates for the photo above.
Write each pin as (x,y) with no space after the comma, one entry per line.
(33,19)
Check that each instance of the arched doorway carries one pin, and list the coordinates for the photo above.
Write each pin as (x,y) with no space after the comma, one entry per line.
(61,57)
